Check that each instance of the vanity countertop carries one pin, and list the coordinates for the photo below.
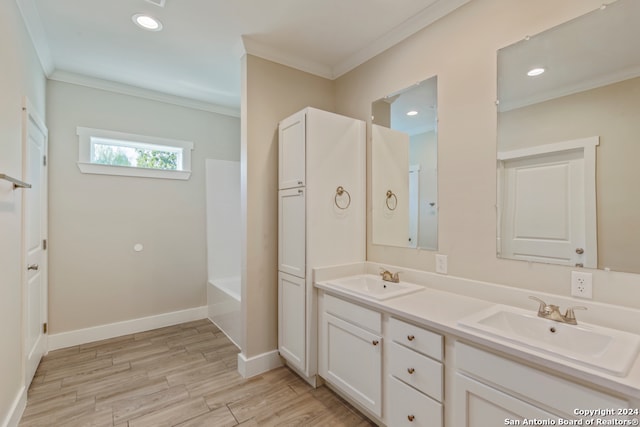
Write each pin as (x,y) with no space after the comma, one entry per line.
(441,310)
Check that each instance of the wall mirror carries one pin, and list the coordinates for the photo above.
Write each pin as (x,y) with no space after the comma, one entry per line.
(404,154)
(568,143)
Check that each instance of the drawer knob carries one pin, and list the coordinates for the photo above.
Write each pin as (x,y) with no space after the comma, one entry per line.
(411,370)
(411,418)
(411,337)
(375,342)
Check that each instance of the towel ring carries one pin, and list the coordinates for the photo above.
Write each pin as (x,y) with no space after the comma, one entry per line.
(391,195)
(339,192)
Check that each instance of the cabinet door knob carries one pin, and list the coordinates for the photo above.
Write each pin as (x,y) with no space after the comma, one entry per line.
(33,267)
(299,182)
(375,342)
(411,337)
(411,418)
(411,370)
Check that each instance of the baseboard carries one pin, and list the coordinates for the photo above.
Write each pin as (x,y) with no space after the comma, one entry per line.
(252,366)
(111,330)
(17,409)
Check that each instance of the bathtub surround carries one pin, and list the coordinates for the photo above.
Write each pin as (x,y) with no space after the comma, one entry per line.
(21,76)
(96,276)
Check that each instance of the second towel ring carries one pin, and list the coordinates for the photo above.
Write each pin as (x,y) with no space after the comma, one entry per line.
(339,192)
(391,195)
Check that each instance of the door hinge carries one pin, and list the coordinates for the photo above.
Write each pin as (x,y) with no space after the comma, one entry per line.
(44,244)
(44,160)
(44,328)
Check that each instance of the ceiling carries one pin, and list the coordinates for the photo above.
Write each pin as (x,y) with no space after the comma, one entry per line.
(197,54)
(593,50)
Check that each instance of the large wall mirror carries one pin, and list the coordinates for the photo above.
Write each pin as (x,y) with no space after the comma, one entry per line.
(569,143)
(404,188)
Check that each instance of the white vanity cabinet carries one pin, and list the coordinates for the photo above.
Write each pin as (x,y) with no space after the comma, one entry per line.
(321,219)
(415,384)
(490,389)
(351,351)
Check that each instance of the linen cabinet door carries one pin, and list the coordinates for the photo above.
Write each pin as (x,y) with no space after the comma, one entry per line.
(292,151)
(291,320)
(292,232)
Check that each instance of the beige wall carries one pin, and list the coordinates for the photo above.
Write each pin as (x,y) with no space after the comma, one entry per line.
(21,76)
(610,112)
(271,92)
(461,50)
(95,276)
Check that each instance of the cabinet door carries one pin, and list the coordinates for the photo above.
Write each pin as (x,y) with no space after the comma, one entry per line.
(480,405)
(291,151)
(291,232)
(291,319)
(353,361)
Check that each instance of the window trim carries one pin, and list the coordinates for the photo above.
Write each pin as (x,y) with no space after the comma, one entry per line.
(84,155)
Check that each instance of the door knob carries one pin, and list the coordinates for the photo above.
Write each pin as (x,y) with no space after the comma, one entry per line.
(33,267)
(579,251)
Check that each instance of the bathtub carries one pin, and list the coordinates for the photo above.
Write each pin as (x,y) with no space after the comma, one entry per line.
(223,301)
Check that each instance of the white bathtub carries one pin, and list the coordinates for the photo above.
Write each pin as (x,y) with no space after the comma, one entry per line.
(223,300)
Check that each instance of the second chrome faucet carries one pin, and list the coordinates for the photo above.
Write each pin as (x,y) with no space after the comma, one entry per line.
(552,312)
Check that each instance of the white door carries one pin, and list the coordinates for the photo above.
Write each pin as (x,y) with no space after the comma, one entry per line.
(545,210)
(292,232)
(34,235)
(291,319)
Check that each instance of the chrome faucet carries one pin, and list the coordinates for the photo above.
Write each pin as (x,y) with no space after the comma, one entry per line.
(552,312)
(388,277)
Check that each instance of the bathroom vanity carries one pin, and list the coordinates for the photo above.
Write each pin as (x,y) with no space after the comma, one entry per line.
(408,360)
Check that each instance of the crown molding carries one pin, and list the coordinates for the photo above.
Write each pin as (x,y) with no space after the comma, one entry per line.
(111,86)
(269,53)
(33,23)
(424,18)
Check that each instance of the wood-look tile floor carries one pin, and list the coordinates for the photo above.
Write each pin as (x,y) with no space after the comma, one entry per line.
(184,375)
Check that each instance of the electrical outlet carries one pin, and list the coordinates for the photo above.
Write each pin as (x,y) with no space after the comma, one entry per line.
(581,284)
(441,264)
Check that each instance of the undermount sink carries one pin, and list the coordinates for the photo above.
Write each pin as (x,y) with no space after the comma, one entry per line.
(604,349)
(371,286)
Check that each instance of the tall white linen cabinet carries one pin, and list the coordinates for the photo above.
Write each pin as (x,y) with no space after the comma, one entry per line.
(321,220)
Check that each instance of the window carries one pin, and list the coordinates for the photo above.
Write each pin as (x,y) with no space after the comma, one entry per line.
(117,153)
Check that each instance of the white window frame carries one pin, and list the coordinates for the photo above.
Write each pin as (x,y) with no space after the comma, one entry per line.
(85,135)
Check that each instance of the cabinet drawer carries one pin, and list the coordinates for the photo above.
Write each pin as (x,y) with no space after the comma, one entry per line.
(412,408)
(416,370)
(418,339)
(358,315)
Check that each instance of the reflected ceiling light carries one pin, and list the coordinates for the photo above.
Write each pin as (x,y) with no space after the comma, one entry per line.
(535,71)
(147,22)
(412,113)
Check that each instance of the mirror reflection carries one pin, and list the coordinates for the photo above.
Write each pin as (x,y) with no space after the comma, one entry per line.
(404,187)
(569,102)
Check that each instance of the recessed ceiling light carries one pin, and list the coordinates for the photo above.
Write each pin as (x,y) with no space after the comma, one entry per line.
(147,22)
(535,71)
(412,113)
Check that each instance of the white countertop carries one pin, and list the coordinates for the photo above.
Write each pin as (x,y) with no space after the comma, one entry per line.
(441,310)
